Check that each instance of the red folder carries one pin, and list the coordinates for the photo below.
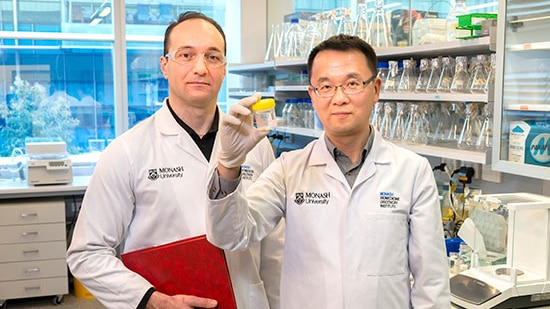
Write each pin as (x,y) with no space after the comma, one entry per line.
(190,266)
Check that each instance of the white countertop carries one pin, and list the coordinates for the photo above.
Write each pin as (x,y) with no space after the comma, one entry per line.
(21,189)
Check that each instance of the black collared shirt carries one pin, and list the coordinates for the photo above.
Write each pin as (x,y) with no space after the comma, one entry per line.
(206,143)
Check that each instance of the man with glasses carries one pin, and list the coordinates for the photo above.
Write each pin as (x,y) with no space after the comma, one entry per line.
(363,223)
(149,185)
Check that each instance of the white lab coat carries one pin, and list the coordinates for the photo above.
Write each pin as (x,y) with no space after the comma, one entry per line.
(149,188)
(345,247)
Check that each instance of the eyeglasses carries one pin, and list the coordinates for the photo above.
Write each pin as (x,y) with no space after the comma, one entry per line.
(212,59)
(351,86)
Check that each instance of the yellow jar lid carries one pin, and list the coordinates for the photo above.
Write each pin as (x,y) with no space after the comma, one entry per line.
(263,104)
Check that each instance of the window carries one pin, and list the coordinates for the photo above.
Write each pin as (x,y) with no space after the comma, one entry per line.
(63,52)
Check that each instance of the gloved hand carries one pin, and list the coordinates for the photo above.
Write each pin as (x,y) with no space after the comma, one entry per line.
(238,134)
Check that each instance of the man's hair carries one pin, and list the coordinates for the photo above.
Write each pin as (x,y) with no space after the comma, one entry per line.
(344,42)
(192,15)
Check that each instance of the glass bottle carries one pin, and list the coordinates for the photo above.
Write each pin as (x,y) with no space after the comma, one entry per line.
(451,22)
(423,75)
(392,80)
(446,77)
(460,76)
(407,81)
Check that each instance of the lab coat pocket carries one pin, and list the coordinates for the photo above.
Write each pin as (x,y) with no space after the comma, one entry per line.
(384,244)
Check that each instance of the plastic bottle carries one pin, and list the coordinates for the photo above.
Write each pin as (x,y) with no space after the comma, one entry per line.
(264,114)
(451,22)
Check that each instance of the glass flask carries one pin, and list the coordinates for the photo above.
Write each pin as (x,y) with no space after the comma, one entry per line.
(345,23)
(313,35)
(407,81)
(485,138)
(292,48)
(379,30)
(376,115)
(455,124)
(470,129)
(387,119)
(383,69)
(451,21)
(490,80)
(361,28)
(478,78)
(460,76)
(399,122)
(446,76)
(416,131)
(15,165)
(435,75)
(442,126)
(432,120)
(423,75)
(392,80)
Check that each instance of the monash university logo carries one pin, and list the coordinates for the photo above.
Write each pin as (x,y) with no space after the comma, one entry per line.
(165,172)
(312,198)
(153,174)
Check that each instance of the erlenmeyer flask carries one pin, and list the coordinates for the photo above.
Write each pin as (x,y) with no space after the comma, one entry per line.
(442,126)
(361,28)
(435,75)
(387,119)
(490,80)
(485,138)
(446,77)
(470,129)
(392,80)
(461,76)
(376,115)
(407,81)
(456,122)
(399,122)
(423,75)
(345,23)
(416,132)
(478,78)
(313,35)
(379,30)
(329,23)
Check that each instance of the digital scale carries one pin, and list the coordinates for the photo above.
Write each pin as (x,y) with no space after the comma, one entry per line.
(48,163)
(524,281)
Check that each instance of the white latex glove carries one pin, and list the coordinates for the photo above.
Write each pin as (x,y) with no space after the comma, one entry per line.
(238,134)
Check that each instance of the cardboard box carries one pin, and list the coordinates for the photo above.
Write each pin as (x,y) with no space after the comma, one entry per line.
(529,142)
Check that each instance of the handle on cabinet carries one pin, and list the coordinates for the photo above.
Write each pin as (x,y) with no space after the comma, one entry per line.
(35,269)
(25,234)
(25,216)
(31,251)
(34,287)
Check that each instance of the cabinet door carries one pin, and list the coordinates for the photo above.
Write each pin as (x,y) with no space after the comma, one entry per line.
(522,97)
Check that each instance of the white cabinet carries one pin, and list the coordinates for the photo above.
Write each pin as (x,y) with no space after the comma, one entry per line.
(33,245)
(471,47)
(522,89)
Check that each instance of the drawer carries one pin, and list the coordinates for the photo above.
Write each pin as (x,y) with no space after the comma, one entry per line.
(33,270)
(46,211)
(32,233)
(33,251)
(34,288)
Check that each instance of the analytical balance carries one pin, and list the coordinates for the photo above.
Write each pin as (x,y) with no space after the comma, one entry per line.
(524,280)
(48,163)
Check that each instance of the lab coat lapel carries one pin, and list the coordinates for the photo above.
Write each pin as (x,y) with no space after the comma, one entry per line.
(380,153)
(321,156)
(171,130)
